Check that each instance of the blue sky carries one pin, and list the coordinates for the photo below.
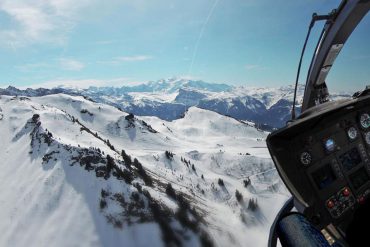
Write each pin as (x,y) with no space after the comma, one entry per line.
(117,42)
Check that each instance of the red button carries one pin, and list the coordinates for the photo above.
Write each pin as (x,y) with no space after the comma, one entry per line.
(330,204)
(361,200)
(346,192)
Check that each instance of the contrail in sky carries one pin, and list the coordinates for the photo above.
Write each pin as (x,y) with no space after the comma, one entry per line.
(210,13)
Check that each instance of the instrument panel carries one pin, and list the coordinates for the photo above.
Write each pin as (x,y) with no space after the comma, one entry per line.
(325,161)
(340,172)
(336,161)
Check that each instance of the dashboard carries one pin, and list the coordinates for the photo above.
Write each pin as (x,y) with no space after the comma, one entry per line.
(336,162)
(324,159)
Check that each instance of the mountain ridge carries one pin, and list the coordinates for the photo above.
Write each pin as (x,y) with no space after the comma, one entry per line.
(169,99)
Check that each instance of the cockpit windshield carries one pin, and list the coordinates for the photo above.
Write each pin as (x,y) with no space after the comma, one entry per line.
(350,72)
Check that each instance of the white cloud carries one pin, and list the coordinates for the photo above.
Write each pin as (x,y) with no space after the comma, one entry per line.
(123,59)
(38,21)
(33,66)
(51,21)
(85,83)
(133,58)
(71,64)
(61,63)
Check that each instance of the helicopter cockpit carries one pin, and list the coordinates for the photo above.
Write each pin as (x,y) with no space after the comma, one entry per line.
(323,156)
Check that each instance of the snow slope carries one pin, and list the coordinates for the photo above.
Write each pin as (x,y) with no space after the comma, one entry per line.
(53,191)
(54,203)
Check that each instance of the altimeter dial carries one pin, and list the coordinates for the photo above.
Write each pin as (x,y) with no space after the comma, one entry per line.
(306,158)
(352,133)
(365,120)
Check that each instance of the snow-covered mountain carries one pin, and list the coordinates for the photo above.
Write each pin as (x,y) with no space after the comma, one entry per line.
(79,173)
(168,86)
(169,99)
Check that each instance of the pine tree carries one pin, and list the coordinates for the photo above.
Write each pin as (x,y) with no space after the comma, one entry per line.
(253,204)
(110,164)
(238,196)
(170,191)
(221,182)
(246,182)
(126,158)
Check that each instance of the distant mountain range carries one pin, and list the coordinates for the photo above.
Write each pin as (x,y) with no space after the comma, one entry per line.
(169,99)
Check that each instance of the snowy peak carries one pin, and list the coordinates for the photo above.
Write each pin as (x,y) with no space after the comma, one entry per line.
(168,99)
(166,85)
(270,96)
(13,91)
(213,124)
(174,84)
(189,97)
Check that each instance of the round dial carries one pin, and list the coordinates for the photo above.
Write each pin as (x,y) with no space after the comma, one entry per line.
(365,120)
(367,138)
(306,158)
(352,133)
(329,145)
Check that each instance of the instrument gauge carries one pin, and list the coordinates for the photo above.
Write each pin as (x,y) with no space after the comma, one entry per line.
(352,133)
(367,138)
(365,120)
(306,158)
(329,145)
